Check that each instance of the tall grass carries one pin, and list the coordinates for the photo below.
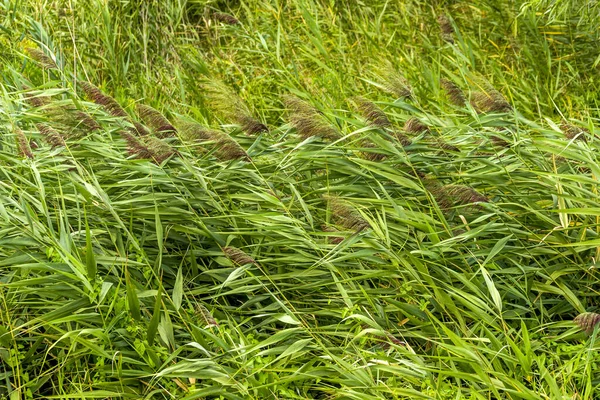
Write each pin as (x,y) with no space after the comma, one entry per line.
(302,199)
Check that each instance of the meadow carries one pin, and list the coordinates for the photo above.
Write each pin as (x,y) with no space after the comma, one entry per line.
(303,199)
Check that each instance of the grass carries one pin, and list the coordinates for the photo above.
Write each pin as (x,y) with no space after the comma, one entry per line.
(302,199)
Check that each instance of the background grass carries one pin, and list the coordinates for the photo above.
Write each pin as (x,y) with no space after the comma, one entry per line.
(359,266)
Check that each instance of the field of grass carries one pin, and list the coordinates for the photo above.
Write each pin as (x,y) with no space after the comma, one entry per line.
(303,199)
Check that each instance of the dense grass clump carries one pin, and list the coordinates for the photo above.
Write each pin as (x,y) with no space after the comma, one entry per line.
(299,200)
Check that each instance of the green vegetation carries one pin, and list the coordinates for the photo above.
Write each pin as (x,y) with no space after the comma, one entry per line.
(270,199)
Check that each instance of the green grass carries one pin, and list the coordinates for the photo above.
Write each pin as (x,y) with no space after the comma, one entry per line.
(383,239)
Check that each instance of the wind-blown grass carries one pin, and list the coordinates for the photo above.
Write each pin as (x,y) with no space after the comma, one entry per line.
(291,200)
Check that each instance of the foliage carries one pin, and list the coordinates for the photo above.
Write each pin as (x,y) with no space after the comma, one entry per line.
(301,199)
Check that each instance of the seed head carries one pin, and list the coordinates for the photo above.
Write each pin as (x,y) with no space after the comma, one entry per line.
(448,196)
(413,125)
(372,155)
(229,149)
(96,95)
(238,256)
(206,316)
(51,136)
(229,105)
(373,114)
(574,132)
(23,144)
(148,147)
(345,215)
(332,239)
(225,18)
(35,101)
(499,142)
(402,138)
(397,85)
(487,99)
(251,125)
(307,120)
(453,92)
(587,321)
(446,28)
(225,147)
(85,120)
(156,121)
(139,129)
(445,146)
(44,60)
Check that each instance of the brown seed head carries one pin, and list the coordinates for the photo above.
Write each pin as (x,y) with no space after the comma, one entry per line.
(373,114)
(446,28)
(372,155)
(206,316)
(51,136)
(397,85)
(587,321)
(139,129)
(487,99)
(230,106)
(345,215)
(307,120)
(413,125)
(453,92)
(332,239)
(148,147)
(448,196)
(42,58)
(574,132)
(225,18)
(402,138)
(85,120)
(251,125)
(238,256)
(229,149)
(225,147)
(36,101)
(156,121)
(445,146)
(96,95)
(23,144)
(499,142)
